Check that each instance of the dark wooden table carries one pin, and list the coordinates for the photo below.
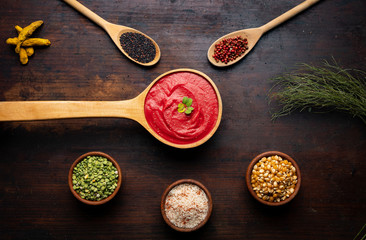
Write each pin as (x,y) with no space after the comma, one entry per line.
(83,64)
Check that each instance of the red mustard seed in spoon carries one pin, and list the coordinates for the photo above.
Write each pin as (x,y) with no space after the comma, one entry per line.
(229,49)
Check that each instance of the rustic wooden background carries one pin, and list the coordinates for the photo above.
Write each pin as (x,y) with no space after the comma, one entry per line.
(83,64)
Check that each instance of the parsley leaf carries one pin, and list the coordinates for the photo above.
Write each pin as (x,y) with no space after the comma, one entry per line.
(185,106)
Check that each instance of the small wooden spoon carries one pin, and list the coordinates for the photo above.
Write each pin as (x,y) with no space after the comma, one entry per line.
(115,31)
(254,34)
(132,109)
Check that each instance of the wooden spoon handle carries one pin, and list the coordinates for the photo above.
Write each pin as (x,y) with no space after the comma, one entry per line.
(287,15)
(88,13)
(41,110)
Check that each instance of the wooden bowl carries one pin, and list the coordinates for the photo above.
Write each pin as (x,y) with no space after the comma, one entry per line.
(89,202)
(166,192)
(284,157)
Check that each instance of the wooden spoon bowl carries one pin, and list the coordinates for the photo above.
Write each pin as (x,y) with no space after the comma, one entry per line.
(115,31)
(131,109)
(254,34)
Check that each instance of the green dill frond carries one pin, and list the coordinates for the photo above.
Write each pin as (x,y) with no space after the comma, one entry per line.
(326,88)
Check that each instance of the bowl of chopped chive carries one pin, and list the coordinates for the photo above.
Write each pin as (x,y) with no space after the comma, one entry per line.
(95,178)
(186,205)
(273,178)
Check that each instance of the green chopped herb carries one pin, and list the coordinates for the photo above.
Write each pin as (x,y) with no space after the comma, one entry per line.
(185,106)
(95,178)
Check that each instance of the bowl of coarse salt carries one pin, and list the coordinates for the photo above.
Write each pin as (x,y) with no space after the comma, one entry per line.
(186,205)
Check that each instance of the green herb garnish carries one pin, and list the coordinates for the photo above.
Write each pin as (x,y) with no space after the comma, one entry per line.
(185,106)
(325,88)
(94,178)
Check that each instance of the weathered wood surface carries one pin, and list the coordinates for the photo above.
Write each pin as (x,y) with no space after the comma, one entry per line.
(83,64)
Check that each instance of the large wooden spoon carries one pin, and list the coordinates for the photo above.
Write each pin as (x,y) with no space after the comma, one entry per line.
(131,109)
(115,31)
(254,34)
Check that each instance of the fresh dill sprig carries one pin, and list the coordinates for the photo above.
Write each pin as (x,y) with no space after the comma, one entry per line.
(326,88)
(362,237)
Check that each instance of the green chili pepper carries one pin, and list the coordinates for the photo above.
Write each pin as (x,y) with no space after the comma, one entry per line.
(95,178)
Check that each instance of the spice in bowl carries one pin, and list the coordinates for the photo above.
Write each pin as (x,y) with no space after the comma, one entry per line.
(186,205)
(229,49)
(95,178)
(273,178)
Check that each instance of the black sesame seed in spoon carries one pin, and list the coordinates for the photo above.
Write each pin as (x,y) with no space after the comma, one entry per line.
(138,47)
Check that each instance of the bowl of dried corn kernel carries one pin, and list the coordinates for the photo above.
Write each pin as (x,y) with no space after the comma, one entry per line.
(273,178)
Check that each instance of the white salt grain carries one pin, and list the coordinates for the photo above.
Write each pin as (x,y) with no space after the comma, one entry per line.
(186,205)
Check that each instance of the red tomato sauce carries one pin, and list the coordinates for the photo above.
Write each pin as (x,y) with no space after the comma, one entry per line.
(161,107)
